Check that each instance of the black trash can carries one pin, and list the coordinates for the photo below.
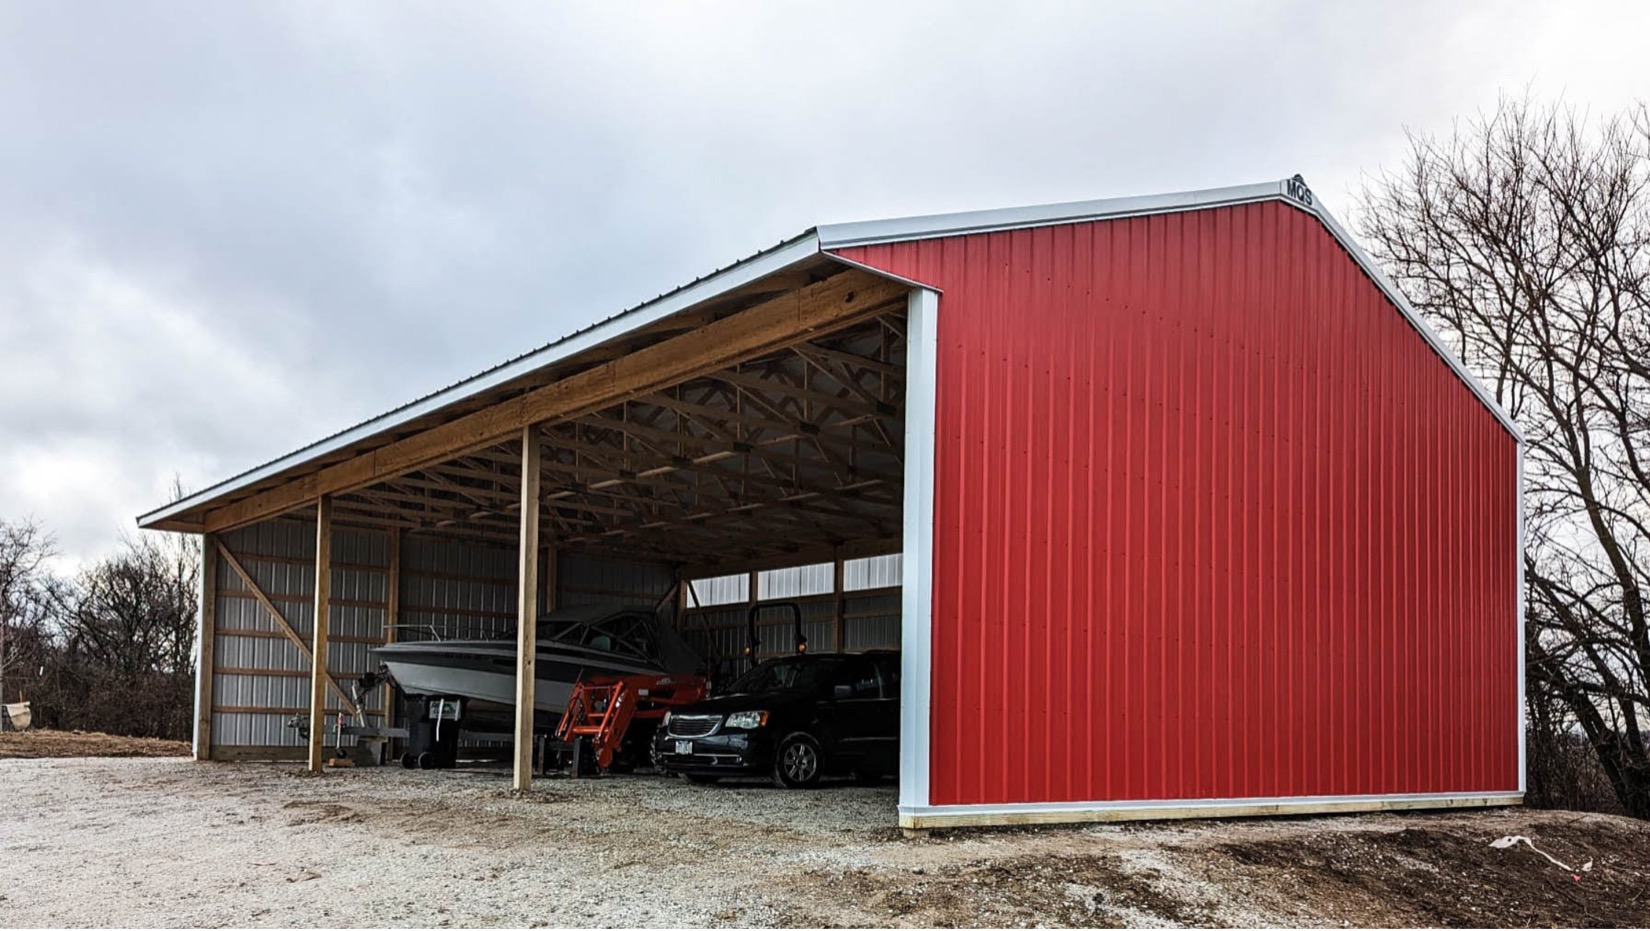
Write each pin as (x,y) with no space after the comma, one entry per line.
(432,732)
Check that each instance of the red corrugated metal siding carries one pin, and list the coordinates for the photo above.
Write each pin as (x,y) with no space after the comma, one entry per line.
(1212,521)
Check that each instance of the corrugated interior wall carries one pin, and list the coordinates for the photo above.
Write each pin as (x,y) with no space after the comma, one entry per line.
(583,579)
(454,590)
(865,615)
(1212,521)
(448,589)
(260,679)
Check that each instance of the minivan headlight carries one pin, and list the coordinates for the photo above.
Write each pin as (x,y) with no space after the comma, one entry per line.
(746,720)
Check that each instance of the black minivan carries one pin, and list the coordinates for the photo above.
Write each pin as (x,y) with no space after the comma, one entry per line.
(795,718)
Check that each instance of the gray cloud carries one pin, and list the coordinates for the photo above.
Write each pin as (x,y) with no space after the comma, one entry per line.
(227,231)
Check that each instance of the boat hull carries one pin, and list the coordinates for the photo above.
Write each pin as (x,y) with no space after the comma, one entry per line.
(485,670)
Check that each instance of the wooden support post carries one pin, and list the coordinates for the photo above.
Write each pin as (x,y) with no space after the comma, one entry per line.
(752,579)
(679,622)
(548,579)
(392,616)
(205,661)
(318,651)
(527,605)
(839,621)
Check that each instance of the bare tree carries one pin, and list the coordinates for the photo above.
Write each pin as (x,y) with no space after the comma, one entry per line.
(26,596)
(128,640)
(1525,239)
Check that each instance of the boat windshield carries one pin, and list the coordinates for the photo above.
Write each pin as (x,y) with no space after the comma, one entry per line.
(629,633)
(790,673)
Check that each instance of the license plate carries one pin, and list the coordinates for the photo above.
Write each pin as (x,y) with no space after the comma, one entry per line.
(684,748)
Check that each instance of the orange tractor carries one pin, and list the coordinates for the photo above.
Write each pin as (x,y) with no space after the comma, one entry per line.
(610,720)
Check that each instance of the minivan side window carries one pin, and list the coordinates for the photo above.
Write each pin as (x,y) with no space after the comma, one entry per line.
(889,665)
(861,676)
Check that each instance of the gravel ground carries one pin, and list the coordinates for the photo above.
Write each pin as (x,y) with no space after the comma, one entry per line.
(160,842)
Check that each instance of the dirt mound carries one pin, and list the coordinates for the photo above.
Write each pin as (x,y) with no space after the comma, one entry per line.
(39,744)
(1450,879)
(1378,871)
(1077,891)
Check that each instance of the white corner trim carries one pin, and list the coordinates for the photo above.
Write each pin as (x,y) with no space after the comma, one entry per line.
(1523,710)
(916,590)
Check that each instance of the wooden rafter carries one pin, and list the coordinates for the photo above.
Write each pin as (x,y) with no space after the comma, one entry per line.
(832,304)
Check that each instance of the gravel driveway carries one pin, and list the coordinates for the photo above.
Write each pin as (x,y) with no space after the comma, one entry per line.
(165,842)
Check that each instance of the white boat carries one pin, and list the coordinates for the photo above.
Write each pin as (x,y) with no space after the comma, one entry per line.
(573,644)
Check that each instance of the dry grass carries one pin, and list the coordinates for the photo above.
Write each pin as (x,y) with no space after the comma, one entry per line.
(41,744)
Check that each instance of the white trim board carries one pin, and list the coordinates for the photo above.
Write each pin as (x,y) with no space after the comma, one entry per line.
(917,588)
(920,817)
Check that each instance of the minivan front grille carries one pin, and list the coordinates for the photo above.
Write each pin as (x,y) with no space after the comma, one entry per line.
(694,725)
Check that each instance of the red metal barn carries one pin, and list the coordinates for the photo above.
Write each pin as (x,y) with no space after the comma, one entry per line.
(1197,517)
(1217,526)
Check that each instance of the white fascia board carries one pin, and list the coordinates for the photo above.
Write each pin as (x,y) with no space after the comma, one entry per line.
(708,288)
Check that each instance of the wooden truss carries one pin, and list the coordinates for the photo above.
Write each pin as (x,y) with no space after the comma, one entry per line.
(797,448)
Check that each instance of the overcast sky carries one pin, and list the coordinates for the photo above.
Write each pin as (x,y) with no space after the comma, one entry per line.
(229,229)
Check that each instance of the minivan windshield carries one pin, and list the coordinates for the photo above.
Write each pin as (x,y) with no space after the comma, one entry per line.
(807,673)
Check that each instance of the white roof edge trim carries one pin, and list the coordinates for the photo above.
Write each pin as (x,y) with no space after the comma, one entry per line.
(1290,191)
(713,286)
(1316,208)
(873,232)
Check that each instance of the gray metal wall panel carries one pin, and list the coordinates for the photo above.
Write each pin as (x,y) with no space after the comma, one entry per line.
(264,653)
(254,730)
(871,621)
(721,590)
(873,572)
(796,581)
(279,555)
(422,554)
(456,591)
(583,579)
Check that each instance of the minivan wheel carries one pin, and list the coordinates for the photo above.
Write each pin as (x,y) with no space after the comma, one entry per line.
(798,762)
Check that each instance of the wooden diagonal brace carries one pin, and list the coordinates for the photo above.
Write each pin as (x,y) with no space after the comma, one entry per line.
(283,624)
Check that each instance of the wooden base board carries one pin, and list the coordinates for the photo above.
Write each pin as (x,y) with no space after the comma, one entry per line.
(987,817)
(227,754)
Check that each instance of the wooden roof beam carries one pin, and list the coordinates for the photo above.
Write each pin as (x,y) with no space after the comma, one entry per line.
(834,303)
